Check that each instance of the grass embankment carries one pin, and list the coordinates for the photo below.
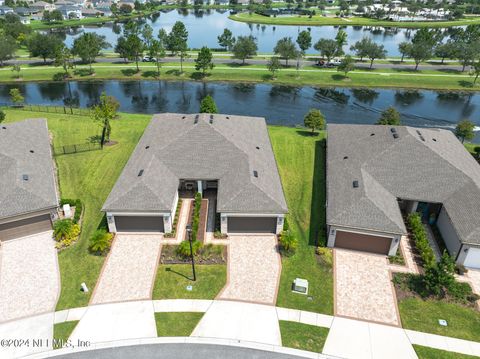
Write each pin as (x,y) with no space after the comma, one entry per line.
(319,20)
(303,336)
(423,316)
(430,353)
(309,75)
(176,324)
(301,162)
(172,280)
(61,332)
(89,176)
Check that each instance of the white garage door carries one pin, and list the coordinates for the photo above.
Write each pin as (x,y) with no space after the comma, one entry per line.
(473,258)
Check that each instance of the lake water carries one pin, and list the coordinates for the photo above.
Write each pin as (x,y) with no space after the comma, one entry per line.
(205,25)
(282,105)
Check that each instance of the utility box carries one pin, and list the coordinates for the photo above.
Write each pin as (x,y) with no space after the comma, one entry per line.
(67,211)
(300,286)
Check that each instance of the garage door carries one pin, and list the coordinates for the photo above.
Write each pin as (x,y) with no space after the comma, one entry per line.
(473,258)
(252,224)
(362,242)
(139,224)
(25,227)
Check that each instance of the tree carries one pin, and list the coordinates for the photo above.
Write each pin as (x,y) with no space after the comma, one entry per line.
(374,51)
(475,71)
(207,105)
(286,49)
(63,57)
(419,52)
(8,46)
(16,69)
(3,116)
(360,47)
(390,117)
(16,96)
(88,47)
(157,50)
(134,44)
(446,50)
(328,48)
(125,9)
(341,39)
(122,48)
(43,45)
(439,277)
(314,120)
(404,49)
(177,41)
(304,41)
(465,130)
(346,65)
(466,52)
(226,40)
(104,112)
(244,47)
(52,16)
(203,62)
(273,65)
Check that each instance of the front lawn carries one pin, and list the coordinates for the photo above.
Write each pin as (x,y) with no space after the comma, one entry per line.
(61,333)
(423,315)
(431,353)
(301,161)
(176,324)
(172,280)
(303,336)
(88,176)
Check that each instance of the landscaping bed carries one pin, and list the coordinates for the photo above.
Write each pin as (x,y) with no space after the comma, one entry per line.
(207,254)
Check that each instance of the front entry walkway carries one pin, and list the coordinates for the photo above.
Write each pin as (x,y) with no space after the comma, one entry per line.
(363,287)
(129,270)
(254,268)
(29,276)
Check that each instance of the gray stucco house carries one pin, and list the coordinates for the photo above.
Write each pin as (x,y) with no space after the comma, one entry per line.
(231,155)
(374,173)
(28,191)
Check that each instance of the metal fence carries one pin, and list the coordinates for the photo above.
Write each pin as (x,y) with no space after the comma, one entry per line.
(51,109)
(81,147)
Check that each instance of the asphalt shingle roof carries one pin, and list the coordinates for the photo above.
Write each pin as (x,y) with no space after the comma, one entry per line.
(227,150)
(427,165)
(19,196)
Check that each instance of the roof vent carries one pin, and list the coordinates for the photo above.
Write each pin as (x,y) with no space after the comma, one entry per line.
(393,130)
(255,174)
(140,173)
(196,119)
(395,135)
(228,117)
(147,147)
(4,127)
(25,177)
(211,119)
(32,151)
(257,148)
(372,134)
(422,138)
(355,184)
(345,158)
(419,133)
(434,139)
(183,117)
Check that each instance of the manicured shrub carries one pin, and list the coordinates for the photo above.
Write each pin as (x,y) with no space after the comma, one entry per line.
(65,229)
(74,203)
(439,277)
(101,241)
(286,226)
(196,215)
(3,115)
(184,248)
(420,238)
(288,242)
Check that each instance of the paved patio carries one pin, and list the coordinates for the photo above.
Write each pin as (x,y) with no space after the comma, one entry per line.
(253,269)
(130,269)
(29,277)
(363,287)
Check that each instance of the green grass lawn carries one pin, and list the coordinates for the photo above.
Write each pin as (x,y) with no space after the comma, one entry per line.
(172,279)
(431,353)
(301,161)
(90,177)
(423,315)
(62,331)
(176,324)
(302,336)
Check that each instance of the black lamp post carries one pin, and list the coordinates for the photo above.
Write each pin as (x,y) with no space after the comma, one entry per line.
(189,231)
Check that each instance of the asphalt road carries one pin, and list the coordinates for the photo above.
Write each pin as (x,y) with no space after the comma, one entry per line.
(361,65)
(177,351)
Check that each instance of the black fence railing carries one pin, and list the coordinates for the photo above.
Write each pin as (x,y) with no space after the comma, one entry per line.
(81,147)
(51,109)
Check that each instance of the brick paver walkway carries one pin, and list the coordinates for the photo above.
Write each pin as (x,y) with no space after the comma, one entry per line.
(253,269)
(363,287)
(29,278)
(129,270)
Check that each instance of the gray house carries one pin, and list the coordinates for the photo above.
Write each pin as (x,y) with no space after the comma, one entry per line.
(229,155)
(28,192)
(377,173)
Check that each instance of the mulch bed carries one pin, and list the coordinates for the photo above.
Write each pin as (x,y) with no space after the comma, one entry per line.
(205,256)
(202,224)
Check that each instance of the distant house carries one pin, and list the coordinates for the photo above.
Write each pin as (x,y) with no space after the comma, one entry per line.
(63,3)
(4,10)
(70,12)
(92,13)
(42,6)
(130,3)
(23,11)
(2,2)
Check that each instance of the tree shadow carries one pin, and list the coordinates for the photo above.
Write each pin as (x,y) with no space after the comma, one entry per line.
(306,133)
(318,209)
(450,71)
(338,77)
(236,64)
(150,74)
(267,77)
(197,75)
(129,72)
(174,72)
(169,269)
(94,139)
(466,84)
(83,72)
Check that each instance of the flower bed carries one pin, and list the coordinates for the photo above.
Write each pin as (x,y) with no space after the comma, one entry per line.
(67,231)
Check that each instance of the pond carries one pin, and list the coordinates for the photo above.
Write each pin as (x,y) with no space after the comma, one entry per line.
(205,25)
(282,105)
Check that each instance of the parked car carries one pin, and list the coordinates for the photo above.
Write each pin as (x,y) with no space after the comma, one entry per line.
(149,59)
(331,63)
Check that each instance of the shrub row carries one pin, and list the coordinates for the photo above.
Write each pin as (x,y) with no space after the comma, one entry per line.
(173,233)
(196,215)
(74,203)
(421,240)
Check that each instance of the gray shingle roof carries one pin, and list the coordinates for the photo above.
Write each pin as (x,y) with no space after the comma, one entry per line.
(19,196)
(428,165)
(180,149)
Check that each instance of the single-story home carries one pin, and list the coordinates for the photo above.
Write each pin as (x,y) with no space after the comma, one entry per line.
(70,12)
(43,6)
(377,174)
(28,191)
(229,155)
(4,10)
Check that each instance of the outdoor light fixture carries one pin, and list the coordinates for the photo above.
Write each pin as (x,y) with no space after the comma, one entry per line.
(189,231)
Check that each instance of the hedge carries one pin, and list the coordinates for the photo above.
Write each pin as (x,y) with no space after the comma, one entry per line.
(74,203)
(421,240)
(196,215)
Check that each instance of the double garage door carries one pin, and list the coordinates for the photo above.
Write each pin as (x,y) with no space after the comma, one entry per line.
(252,224)
(473,258)
(362,242)
(25,227)
(139,224)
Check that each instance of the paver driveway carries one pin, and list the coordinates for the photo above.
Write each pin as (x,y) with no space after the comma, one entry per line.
(363,288)
(29,277)
(253,269)
(129,270)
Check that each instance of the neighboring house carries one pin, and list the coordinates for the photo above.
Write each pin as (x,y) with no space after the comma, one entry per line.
(4,10)
(64,3)
(130,3)
(23,11)
(229,156)
(70,12)
(2,2)
(28,192)
(92,13)
(374,173)
(42,6)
